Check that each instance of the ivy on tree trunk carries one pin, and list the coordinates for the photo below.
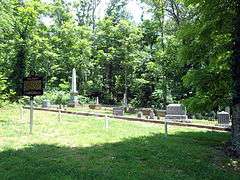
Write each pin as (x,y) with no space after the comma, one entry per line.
(236,81)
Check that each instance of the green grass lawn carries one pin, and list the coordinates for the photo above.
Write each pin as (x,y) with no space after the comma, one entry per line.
(81,148)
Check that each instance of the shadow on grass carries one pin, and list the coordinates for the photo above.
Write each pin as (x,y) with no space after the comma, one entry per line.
(186,155)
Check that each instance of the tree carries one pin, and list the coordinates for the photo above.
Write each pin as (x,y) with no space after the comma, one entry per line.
(117,10)
(86,12)
(205,42)
(21,19)
(236,80)
(71,46)
(117,54)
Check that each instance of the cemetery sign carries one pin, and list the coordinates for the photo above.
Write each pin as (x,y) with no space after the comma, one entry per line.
(33,86)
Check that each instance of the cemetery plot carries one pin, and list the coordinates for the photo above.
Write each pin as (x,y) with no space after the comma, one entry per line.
(82,148)
(141,114)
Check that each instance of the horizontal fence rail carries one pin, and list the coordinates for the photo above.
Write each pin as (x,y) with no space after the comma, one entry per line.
(216,128)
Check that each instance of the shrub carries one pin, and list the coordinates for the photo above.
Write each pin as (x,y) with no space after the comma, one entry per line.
(59,97)
(3,91)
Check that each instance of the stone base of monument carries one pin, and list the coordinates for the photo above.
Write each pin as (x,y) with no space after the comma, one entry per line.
(95,106)
(73,99)
(73,103)
(178,118)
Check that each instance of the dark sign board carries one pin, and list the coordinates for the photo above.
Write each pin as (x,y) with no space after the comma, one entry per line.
(33,86)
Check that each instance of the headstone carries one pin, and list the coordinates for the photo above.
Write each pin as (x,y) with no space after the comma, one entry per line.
(125,100)
(176,112)
(97,101)
(223,118)
(151,115)
(46,104)
(95,106)
(118,111)
(74,92)
(140,115)
(146,111)
(160,113)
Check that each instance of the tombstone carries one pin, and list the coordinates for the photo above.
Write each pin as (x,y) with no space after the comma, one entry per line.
(125,104)
(146,111)
(97,100)
(74,92)
(151,115)
(140,115)
(223,118)
(160,113)
(96,106)
(46,104)
(118,111)
(176,112)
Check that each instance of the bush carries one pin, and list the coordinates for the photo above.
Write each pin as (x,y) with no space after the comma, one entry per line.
(3,91)
(83,99)
(59,97)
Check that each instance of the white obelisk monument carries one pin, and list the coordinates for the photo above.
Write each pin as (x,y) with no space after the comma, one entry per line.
(74,92)
(125,103)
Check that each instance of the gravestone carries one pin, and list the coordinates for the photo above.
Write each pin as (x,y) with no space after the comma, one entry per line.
(97,100)
(151,115)
(160,113)
(118,111)
(74,92)
(140,115)
(46,104)
(125,103)
(223,118)
(176,112)
(146,111)
(96,106)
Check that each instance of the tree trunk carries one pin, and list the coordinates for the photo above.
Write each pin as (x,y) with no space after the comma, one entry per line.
(236,81)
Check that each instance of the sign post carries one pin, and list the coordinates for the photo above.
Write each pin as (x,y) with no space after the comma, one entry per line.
(166,128)
(31,114)
(32,86)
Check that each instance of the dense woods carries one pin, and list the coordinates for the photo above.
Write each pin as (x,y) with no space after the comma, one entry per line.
(181,54)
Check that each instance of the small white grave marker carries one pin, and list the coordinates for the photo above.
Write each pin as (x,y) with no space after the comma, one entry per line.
(106,122)
(21,113)
(59,116)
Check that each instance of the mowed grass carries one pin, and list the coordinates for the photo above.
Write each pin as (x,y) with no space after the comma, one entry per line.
(81,148)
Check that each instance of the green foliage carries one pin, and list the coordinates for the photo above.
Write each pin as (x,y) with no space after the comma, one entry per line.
(55,97)
(180,54)
(59,97)
(3,93)
(117,56)
(205,49)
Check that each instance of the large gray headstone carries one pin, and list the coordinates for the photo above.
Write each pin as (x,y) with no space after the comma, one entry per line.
(118,111)
(223,118)
(176,112)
